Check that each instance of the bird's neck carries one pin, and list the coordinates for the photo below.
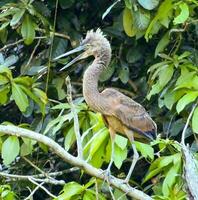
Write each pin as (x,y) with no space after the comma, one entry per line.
(90,84)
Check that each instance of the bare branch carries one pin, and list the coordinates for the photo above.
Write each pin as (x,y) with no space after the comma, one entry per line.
(43,188)
(76,123)
(65,156)
(186,125)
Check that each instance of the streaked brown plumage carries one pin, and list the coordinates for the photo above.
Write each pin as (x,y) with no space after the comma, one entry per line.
(121,114)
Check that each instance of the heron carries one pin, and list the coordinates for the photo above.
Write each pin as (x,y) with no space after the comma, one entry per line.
(120,113)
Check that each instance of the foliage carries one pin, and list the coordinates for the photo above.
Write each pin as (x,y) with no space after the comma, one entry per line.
(154,55)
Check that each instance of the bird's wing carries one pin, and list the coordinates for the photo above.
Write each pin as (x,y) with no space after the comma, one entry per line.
(129,112)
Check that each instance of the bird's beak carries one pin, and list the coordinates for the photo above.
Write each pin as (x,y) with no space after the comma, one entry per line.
(83,55)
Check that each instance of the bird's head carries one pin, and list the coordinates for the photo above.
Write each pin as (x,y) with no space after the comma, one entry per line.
(94,44)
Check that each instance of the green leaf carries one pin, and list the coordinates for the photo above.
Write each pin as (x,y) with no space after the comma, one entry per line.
(17,16)
(172,97)
(149,4)
(195,121)
(170,178)
(27,30)
(10,60)
(165,75)
(128,22)
(70,189)
(185,100)
(4,91)
(121,141)
(128,4)
(20,97)
(69,138)
(141,19)
(124,74)
(10,149)
(162,43)
(156,88)
(145,149)
(184,14)
(107,73)
(134,54)
(97,142)
(26,149)
(119,155)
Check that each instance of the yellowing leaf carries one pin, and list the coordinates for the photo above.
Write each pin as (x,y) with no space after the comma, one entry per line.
(195,121)
(128,22)
(185,100)
(184,14)
(27,30)
(10,149)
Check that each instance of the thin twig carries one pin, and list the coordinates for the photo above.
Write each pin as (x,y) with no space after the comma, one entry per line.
(27,177)
(187,123)
(31,56)
(43,188)
(32,193)
(18,42)
(66,157)
(76,122)
(51,48)
(33,165)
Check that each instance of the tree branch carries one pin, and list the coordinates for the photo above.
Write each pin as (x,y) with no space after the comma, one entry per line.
(65,156)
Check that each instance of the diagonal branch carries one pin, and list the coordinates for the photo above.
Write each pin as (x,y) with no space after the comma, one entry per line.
(65,156)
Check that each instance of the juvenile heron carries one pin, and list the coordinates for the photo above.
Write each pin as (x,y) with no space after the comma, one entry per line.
(121,114)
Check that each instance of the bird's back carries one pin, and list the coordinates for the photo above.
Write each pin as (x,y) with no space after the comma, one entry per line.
(128,113)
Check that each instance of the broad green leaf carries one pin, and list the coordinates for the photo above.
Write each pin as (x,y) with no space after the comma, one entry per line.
(165,75)
(124,74)
(128,4)
(97,142)
(121,141)
(27,30)
(119,155)
(162,43)
(195,121)
(156,88)
(26,149)
(69,138)
(4,91)
(24,80)
(10,60)
(172,97)
(17,16)
(185,100)
(89,196)
(148,4)
(19,97)
(107,73)
(170,178)
(141,19)
(4,25)
(145,149)
(184,14)
(10,149)
(128,22)
(162,14)
(69,190)
(41,95)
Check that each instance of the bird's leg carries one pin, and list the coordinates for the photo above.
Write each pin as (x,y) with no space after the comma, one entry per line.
(112,135)
(135,155)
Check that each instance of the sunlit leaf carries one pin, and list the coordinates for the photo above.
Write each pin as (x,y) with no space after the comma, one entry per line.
(185,100)
(183,15)
(10,149)
(119,156)
(195,121)
(145,149)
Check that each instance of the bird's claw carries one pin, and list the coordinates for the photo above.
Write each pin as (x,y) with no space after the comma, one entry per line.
(107,175)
